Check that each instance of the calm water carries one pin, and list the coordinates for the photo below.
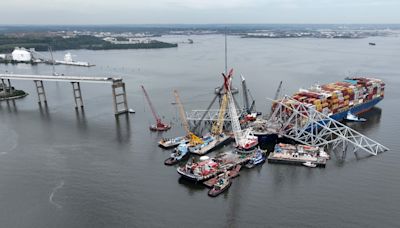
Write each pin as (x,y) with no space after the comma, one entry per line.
(60,168)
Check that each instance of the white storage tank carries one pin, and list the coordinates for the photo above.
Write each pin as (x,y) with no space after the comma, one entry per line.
(21,55)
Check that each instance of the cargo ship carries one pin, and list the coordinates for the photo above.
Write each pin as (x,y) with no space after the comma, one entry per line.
(355,95)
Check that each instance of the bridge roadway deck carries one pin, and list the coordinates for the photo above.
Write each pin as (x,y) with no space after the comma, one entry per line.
(117,85)
(61,78)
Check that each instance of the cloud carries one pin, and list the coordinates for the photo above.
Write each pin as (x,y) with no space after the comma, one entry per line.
(211,4)
(199,11)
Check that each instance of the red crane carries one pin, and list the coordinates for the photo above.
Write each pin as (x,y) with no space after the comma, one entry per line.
(159,126)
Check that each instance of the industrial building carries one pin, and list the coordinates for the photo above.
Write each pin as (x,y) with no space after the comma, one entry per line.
(21,55)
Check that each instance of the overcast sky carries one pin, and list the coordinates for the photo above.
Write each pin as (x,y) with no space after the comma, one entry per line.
(198,11)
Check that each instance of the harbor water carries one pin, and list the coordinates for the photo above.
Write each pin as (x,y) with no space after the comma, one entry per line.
(62,168)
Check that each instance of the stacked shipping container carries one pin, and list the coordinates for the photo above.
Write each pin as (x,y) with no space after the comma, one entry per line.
(341,96)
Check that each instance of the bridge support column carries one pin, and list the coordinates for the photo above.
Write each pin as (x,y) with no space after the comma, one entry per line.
(40,91)
(76,90)
(4,86)
(119,98)
(11,90)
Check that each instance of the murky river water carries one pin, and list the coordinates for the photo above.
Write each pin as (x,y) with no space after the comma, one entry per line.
(62,168)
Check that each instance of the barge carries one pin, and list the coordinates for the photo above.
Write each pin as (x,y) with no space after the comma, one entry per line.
(210,143)
(298,155)
(208,168)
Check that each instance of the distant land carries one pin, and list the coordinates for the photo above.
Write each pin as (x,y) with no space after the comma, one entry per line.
(103,37)
(41,42)
(217,28)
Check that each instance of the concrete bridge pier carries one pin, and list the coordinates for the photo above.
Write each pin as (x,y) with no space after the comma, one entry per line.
(76,90)
(119,98)
(40,91)
(3,86)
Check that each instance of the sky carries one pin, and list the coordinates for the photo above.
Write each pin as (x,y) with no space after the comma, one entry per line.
(86,12)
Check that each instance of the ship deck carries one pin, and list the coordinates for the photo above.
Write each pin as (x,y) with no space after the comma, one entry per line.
(212,145)
(290,160)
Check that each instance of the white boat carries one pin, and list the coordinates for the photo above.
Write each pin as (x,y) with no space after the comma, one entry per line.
(169,143)
(352,117)
(309,164)
(68,61)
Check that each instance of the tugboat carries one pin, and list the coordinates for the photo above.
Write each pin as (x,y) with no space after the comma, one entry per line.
(223,183)
(180,153)
(354,118)
(258,158)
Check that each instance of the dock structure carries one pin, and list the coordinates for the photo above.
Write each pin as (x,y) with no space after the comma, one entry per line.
(118,87)
(310,127)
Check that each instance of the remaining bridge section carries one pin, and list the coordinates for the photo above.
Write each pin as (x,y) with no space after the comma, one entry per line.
(308,126)
(117,85)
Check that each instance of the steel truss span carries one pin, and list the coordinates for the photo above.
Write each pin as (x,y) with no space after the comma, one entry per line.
(211,115)
(308,126)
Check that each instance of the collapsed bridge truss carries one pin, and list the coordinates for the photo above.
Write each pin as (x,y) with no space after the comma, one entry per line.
(306,125)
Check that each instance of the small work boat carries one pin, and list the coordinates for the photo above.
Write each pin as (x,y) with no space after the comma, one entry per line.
(169,143)
(309,164)
(351,117)
(180,153)
(223,183)
(258,158)
(231,174)
(160,127)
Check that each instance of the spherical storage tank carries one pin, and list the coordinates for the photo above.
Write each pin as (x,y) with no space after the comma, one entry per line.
(21,55)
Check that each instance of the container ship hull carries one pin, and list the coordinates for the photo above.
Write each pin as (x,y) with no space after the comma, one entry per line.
(358,109)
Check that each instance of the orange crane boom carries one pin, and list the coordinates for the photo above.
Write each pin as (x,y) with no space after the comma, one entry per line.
(193,139)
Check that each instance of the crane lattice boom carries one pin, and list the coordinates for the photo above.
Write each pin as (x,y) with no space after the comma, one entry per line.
(194,139)
(244,138)
(153,111)
(160,126)
(218,125)
(237,130)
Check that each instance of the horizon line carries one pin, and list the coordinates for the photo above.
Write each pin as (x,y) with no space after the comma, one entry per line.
(223,24)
